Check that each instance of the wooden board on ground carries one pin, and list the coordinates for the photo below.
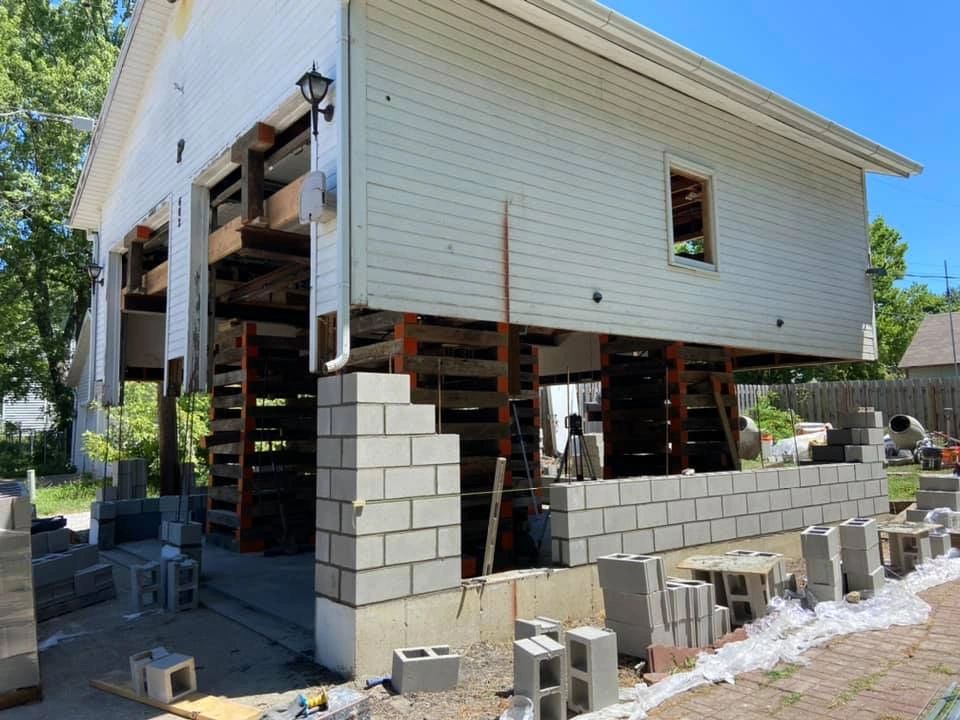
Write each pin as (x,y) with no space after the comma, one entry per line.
(20,696)
(197,706)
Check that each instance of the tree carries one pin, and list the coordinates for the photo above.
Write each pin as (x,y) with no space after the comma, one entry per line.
(57,59)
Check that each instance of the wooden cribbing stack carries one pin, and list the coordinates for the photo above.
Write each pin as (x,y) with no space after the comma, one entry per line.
(262,446)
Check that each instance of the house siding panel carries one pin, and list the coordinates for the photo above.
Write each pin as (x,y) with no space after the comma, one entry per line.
(481,132)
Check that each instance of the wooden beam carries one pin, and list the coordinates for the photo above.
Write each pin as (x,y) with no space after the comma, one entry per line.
(155,281)
(144,304)
(374,324)
(263,313)
(248,151)
(139,234)
(271,244)
(273,281)
(454,336)
(225,240)
(376,352)
(283,207)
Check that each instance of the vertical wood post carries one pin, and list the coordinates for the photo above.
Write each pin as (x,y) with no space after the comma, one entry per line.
(167,440)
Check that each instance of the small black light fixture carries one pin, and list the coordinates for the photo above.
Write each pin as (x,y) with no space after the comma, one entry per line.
(314,86)
(876,271)
(93,272)
(779,322)
(597,296)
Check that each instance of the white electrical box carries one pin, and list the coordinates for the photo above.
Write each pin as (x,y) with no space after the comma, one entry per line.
(317,204)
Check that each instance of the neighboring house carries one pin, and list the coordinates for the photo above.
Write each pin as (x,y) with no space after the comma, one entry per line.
(518,192)
(30,413)
(931,354)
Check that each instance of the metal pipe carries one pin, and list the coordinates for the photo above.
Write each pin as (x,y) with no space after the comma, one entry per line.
(343,191)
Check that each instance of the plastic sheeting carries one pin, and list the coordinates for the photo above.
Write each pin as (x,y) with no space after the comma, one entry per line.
(788,632)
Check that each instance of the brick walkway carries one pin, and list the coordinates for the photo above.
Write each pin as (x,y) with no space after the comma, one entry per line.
(888,675)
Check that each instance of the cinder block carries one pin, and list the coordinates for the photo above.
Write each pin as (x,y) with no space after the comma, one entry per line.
(582,523)
(682,511)
(567,497)
(720,483)
(553,629)
(448,541)
(425,669)
(181,534)
(19,671)
(618,519)
(380,517)
(16,513)
(824,572)
(386,388)
(103,510)
(699,596)
(829,475)
(448,479)
(696,533)
(129,507)
(809,476)
(863,453)
(931,499)
(602,493)
(430,512)
(723,529)
(435,449)
(182,586)
(638,542)
(840,436)
(635,639)
(828,453)
(780,499)
(694,486)
(633,491)
(789,478)
(859,533)
(171,677)
(939,543)
(792,519)
(820,542)
(649,610)
(363,484)
(600,545)
(665,488)
(831,513)
(360,419)
(413,546)
(942,483)
(813,515)
(849,508)
(38,545)
(329,390)
(410,419)
(826,593)
(867,436)
(767,480)
(436,575)
(861,562)
(734,505)
(592,658)
(538,673)
(838,493)
(371,451)
(146,592)
(636,574)
(169,503)
(820,495)
(862,418)
(721,622)
(758,502)
(744,482)
(667,538)
(748,526)
(106,494)
(573,553)
(138,668)
(871,583)
(915,515)
(800,497)
(771,522)
(52,568)
(709,508)
(92,579)
(414,481)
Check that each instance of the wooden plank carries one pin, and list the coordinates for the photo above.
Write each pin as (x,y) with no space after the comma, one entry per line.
(225,241)
(154,281)
(376,352)
(375,323)
(20,696)
(460,398)
(493,521)
(283,277)
(196,706)
(461,367)
(725,422)
(283,207)
(455,336)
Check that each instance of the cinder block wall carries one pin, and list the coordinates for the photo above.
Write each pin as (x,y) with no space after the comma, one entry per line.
(388,493)
(656,514)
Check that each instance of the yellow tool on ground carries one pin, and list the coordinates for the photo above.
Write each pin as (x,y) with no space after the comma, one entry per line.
(317,702)
(300,707)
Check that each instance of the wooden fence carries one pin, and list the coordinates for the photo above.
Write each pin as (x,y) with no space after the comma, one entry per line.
(935,402)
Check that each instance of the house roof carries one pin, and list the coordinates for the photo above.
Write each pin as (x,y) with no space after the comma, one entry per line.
(583,22)
(931,342)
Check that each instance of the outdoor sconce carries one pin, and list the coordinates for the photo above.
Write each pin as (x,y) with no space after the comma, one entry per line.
(314,87)
(876,271)
(94,271)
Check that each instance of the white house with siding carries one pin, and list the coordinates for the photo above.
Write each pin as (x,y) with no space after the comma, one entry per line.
(516,192)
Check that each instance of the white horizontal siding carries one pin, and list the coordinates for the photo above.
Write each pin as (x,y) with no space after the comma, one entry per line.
(476,125)
(221,67)
(29,413)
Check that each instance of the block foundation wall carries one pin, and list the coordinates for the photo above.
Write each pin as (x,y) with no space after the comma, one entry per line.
(656,514)
(388,505)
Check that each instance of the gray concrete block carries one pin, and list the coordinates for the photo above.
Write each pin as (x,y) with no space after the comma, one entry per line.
(668,537)
(436,575)
(723,529)
(366,484)
(867,436)
(523,628)
(693,486)
(628,573)
(539,669)
(592,659)
(365,552)
(828,453)
(828,475)
(720,483)
(813,515)
(800,497)
(699,597)
(838,492)
(939,543)
(871,583)
(651,515)
(780,499)
(881,505)
(820,495)
(914,515)
(849,509)
(52,568)
(846,473)
(371,586)
(665,488)
(431,512)
(103,510)
(863,453)
(809,476)
(940,482)
(146,592)
(618,519)
(856,490)
(38,545)
(859,533)
(767,480)
(931,499)
(376,388)
(138,668)
(171,677)
(831,513)
(360,419)
(634,491)
(427,450)
(326,581)
(638,542)
(577,524)
(862,418)
(734,505)
(748,526)
(744,482)
(371,451)
(129,507)
(106,494)
(826,593)
(758,502)
(574,552)
(602,493)
(425,669)
(392,516)
(771,522)
(865,506)
(181,534)
(567,497)
(709,508)
(410,419)
(635,639)
(599,545)
(860,562)
(329,390)
(824,572)
(792,519)
(448,541)
(820,542)
(169,503)
(92,579)
(840,436)
(650,609)
(789,478)
(681,511)
(696,533)
(402,482)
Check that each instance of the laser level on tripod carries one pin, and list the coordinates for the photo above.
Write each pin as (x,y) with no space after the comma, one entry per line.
(581,461)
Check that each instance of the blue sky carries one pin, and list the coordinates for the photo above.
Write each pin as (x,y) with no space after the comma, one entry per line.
(883,69)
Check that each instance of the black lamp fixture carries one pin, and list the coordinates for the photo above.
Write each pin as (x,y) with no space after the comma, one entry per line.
(93,272)
(876,271)
(314,87)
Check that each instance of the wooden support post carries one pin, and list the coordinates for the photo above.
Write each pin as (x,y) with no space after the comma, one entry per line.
(134,242)
(167,440)
(248,151)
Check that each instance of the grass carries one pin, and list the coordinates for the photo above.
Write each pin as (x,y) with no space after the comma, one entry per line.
(861,684)
(943,669)
(903,481)
(791,699)
(782,673)
(70,497)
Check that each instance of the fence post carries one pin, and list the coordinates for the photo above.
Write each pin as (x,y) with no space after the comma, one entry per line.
(32,484)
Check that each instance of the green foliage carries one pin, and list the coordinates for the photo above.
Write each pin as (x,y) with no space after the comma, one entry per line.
(772,419)
(70,497)
(132,429)
(57,58)
(46,452)
(903,482)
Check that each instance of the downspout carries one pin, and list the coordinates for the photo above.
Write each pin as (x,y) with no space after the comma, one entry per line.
(343,190)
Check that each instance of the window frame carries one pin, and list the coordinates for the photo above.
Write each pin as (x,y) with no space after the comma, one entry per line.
(673,163)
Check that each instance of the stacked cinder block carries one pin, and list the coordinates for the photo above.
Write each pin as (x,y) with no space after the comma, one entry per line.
(539,666)
(114,520)
(553,629)
(656,514)
(820,546)
(19,662)
(103,516)
(146,588)
(859,439)
(388,502)
(592,682)
(425,669)
(637,604)
(937,491)
(909,547)
(940,543)
(694,604)
(186,537)
(860,552)
(182,585)
(67,576)
(130,478)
